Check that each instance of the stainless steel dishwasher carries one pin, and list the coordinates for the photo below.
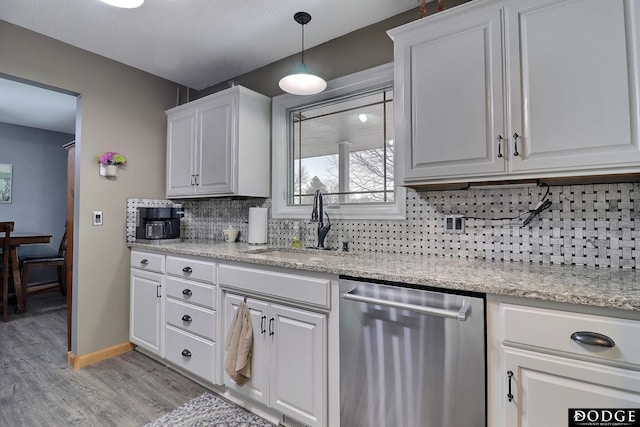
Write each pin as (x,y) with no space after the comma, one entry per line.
(411,357)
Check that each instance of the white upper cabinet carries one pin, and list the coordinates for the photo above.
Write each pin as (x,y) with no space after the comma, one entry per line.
(573,82)
(448,104)
(219,145)
(519,89)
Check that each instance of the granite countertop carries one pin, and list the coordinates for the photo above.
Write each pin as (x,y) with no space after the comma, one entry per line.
(599,287)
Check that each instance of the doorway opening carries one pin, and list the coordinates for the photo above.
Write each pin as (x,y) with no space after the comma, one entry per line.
(37,140)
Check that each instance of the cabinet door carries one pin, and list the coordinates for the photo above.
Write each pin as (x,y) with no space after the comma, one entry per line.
(216,136)
(181,140)
(573,82)
(258,387)
(544,387)
(450,74)
(146,318)
(298,364)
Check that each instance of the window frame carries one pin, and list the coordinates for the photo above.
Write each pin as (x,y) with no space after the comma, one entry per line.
(281,105)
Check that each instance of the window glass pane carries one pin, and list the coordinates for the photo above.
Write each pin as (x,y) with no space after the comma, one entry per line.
(343,147)
(318,174)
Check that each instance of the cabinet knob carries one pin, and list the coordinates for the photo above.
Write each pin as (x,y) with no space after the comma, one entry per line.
(187,292)
(144,261)
(592,338)
(186,353)
(187,318)
(187,270)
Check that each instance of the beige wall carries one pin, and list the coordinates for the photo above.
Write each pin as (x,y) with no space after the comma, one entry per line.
(122,109)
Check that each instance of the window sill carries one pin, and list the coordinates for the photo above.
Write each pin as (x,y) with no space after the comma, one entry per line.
(389,211)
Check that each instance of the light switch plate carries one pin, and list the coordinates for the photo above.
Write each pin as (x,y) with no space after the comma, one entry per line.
(97,217)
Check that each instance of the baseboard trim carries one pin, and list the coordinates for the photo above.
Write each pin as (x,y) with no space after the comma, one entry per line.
(78,362)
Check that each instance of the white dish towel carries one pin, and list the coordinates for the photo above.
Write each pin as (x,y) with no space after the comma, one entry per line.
(239,345)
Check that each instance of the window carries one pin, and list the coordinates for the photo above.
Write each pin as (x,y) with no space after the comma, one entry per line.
(340,142)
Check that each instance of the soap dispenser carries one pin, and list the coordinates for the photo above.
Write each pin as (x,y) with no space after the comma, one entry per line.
(295,238)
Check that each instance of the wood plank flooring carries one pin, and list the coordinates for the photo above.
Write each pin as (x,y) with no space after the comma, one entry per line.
(38,388)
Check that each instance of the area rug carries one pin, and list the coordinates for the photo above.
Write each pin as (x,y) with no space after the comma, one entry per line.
(209,410)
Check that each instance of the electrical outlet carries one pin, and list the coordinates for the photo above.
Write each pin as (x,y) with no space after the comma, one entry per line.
(454,224)
(97,217)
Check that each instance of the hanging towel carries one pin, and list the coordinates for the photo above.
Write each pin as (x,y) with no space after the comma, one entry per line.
(239,346)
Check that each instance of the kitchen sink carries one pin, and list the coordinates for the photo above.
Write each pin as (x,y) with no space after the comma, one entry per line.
(297,255)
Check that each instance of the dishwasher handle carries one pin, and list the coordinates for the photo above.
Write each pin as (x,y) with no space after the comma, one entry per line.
(460,314)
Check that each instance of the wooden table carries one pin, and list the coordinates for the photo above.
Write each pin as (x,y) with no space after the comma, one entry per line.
(19,238)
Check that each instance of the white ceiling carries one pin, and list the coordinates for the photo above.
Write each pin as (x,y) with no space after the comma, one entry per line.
(197,43)
(31,106)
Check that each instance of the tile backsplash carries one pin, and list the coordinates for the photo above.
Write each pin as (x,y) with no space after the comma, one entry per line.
(592,225)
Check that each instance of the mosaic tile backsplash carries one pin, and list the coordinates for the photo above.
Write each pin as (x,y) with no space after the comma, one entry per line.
(594,225)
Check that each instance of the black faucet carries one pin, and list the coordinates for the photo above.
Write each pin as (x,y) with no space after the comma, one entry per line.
(317,215)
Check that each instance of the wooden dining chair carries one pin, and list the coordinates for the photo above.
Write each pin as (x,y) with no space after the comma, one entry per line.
(29,263)
(5,265)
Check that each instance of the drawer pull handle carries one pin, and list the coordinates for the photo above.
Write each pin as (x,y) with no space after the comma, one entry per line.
(187,270)
(510,395)
(262,329)
(186,318)
(271,322)
(186,353)
(592,338)
(515,144)
(144,261)
(187,292)
(499,138)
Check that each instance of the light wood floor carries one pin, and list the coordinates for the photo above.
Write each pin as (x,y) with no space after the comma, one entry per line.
(38,388)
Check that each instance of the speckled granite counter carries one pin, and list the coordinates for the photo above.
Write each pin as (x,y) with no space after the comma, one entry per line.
(600,287)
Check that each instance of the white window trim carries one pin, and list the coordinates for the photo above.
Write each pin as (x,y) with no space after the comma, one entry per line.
(356,82)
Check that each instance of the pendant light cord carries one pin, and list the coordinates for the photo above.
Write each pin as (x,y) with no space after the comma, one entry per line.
(302,50)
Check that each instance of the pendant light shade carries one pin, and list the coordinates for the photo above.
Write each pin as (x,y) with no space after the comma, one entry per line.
(125,4)
(301,81)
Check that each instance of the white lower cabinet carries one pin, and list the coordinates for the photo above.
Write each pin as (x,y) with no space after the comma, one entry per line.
(289,364)
(146,298)
(545,386)
(175,316)
(190,352)
(545,369)
(190,316)
(173,311)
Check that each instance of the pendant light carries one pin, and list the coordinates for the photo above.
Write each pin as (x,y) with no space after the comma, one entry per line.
(125,4)
(301,82)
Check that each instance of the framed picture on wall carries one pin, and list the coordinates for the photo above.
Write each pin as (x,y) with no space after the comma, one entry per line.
(5,182)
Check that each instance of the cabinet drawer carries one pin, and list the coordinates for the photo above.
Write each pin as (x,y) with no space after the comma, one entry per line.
(552,330)
(293,287)
(191,292)
(193,269)
(147,261)
(192,319)
(191,353)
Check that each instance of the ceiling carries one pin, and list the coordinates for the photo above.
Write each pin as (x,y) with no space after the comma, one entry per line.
(197,43)
(31,106)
